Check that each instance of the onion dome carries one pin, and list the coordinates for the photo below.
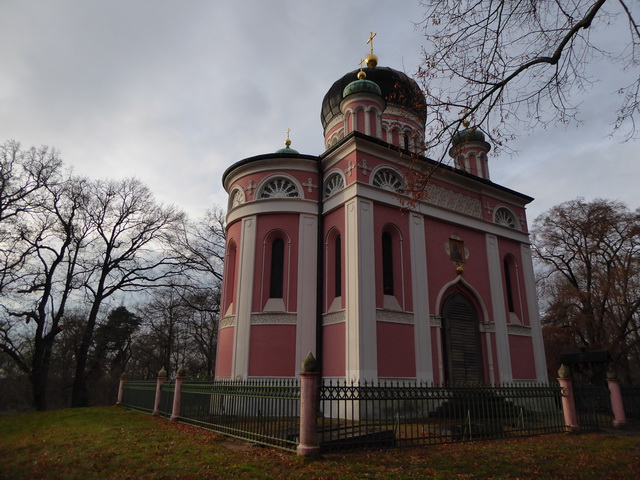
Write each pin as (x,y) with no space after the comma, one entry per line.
(472,134)
(362,85)
(395,86)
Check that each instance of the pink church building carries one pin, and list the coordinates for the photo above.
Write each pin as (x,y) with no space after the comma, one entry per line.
(323,255)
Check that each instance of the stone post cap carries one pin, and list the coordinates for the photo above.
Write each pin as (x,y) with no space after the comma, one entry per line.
(309,364)
(124,376)
(564,371)
(162,373)
(182,372)
(611,373)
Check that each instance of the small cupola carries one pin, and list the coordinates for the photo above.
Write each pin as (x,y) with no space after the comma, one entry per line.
(469,151)
(287,146)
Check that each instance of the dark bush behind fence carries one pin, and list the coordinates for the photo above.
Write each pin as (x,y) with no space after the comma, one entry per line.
(382,414)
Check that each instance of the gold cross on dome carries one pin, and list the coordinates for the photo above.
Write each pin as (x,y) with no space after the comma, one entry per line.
(370,42)
(361,62)
(287,132)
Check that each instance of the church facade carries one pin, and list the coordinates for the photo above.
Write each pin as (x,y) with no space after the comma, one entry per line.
(324,255)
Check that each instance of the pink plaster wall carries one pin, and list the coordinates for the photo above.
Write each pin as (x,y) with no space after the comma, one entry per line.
(289,223)
(230,276)
(442,270)
(334,223)
(384,217)
(436,351)
(396,352)
(334,350)
(509,247)
(224,353)
(522,358)
(272,351)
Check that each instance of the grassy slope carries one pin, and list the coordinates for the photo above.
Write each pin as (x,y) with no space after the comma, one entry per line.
(111,443)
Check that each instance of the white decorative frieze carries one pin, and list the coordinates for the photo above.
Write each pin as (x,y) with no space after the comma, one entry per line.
(521,330)
(435,320)
(335,317)
(227,322)
(394,317)
(488,327)
(443,197)
(274,319)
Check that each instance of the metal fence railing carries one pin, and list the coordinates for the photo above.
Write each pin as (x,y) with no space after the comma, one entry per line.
(139,395)
(407,414)
(593,406)
(631,401)
(260,411)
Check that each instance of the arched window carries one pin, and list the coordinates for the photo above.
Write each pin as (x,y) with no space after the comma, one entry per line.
(333,184)
(236,198)
(503,216)
(338,267)
(405,142)
(387,179)
(276,279)
(387,264)
(279,188)
(508,284)
(229,278)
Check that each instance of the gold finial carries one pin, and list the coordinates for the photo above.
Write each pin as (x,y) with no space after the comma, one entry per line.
(466,123)
(371,60)
(361,74)
(287,141)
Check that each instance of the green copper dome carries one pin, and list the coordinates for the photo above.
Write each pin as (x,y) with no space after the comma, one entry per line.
(361,86)
(287,149)
(472,134)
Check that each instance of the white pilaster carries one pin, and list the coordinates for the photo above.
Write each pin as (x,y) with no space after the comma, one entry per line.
(307,280)
(494,263)
(361,348)
(534,313)
(244,297)
(420,292)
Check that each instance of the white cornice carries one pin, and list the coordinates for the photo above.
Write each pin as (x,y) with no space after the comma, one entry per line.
(273,205)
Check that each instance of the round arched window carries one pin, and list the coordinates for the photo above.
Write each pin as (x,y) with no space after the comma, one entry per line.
(334,184)
(503,216)
(280,188)
(387,179)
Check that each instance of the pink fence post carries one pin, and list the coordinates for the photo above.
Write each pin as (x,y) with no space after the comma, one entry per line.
(177,394)
(162,377)
(619,417)
(123,378)
(308,446)
(568,400)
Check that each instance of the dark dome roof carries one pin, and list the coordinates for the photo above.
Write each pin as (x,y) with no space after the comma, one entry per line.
(472,134)
(397,88)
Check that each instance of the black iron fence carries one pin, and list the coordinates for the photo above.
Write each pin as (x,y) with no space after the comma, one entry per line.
(593,406)
(631,401)
(407,414)
(260,411)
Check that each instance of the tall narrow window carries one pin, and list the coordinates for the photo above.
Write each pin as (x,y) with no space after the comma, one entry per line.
(387,264)
(277,269)
(338,267)
(507,280)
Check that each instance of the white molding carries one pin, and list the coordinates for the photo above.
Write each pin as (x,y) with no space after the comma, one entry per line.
(226,322)
(273,205)
(273,319)
(361,346)
(335,317)
(520,330)
(244,297)
(392,316)
(306,289)
(494,263)
(534,313)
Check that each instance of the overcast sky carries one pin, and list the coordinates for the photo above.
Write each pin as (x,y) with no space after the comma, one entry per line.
(174,92)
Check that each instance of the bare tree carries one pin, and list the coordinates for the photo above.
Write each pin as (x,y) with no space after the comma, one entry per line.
(589,255)
(128,252)
(497,63)
(51,237)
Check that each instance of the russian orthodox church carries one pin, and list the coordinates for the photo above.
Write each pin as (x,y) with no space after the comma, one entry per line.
(324,256)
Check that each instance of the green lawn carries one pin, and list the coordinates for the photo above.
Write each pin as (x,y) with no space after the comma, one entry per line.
(112,443)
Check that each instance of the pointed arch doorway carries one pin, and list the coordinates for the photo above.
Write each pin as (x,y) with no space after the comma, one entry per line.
(461,341)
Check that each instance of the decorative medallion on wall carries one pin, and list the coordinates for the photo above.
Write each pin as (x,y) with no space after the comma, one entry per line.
(280,188)
(237,198)
(334,184)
